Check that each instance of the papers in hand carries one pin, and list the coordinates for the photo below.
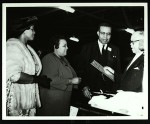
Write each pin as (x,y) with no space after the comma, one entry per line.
(101,69)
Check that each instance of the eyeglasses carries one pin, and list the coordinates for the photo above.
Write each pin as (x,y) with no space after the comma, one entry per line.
(103,33)
(133,42)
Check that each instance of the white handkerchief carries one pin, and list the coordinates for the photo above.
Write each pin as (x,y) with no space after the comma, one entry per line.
(137,68)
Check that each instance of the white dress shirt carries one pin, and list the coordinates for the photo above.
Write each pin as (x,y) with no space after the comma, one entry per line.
(101,46)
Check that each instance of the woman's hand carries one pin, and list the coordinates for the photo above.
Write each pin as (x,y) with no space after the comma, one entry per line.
(76,80)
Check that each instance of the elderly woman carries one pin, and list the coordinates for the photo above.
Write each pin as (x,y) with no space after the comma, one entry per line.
(22,69)
(56,100)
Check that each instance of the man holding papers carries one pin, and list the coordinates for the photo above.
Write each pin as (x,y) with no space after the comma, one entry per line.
(94,57)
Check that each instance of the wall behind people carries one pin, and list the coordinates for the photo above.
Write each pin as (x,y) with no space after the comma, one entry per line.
(119,38)
(42,41)
(43,34)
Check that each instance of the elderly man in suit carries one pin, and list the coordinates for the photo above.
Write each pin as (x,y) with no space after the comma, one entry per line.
(131,80)
(106,54)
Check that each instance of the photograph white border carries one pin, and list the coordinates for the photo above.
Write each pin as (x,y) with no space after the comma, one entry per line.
(145,79)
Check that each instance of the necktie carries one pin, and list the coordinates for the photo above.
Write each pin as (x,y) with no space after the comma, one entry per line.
(103,50)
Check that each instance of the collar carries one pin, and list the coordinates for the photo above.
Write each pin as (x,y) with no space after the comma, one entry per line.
(138,54)
(135,58)
(101,45)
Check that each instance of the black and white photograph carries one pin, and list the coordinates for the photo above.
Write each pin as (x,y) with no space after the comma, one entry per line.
(74,61)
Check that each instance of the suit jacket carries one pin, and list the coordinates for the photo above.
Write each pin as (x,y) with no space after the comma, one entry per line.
(59,70)
(90,75)
(132,78)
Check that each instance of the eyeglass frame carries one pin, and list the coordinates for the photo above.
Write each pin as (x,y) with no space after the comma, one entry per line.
(134,41)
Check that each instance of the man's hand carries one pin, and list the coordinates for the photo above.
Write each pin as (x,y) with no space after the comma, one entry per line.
(86,92)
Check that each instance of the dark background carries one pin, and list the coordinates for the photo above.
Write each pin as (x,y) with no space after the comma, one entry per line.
(83,24)
(121,39)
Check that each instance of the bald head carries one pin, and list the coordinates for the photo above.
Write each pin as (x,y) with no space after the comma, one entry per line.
(138,35)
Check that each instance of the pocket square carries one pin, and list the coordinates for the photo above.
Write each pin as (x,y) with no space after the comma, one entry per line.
(137,68)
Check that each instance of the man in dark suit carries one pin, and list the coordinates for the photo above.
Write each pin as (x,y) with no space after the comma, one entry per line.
(132,78)
(105,54)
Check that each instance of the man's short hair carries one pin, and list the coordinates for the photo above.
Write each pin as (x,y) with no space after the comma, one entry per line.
(104,24)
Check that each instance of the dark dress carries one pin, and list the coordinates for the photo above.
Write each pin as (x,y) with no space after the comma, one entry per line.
(56,100)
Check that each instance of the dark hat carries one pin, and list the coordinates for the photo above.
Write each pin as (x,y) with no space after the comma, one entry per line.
(20,25)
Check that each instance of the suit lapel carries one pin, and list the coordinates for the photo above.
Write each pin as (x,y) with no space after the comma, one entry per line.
(97,52)
(141,57)
(109,54)
(102,59)
(137,61)
(134,64)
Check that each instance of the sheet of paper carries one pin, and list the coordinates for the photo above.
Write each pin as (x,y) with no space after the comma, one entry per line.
(73,111)
(124,102)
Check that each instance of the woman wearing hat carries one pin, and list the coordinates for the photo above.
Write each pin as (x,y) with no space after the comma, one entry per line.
(23,67)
